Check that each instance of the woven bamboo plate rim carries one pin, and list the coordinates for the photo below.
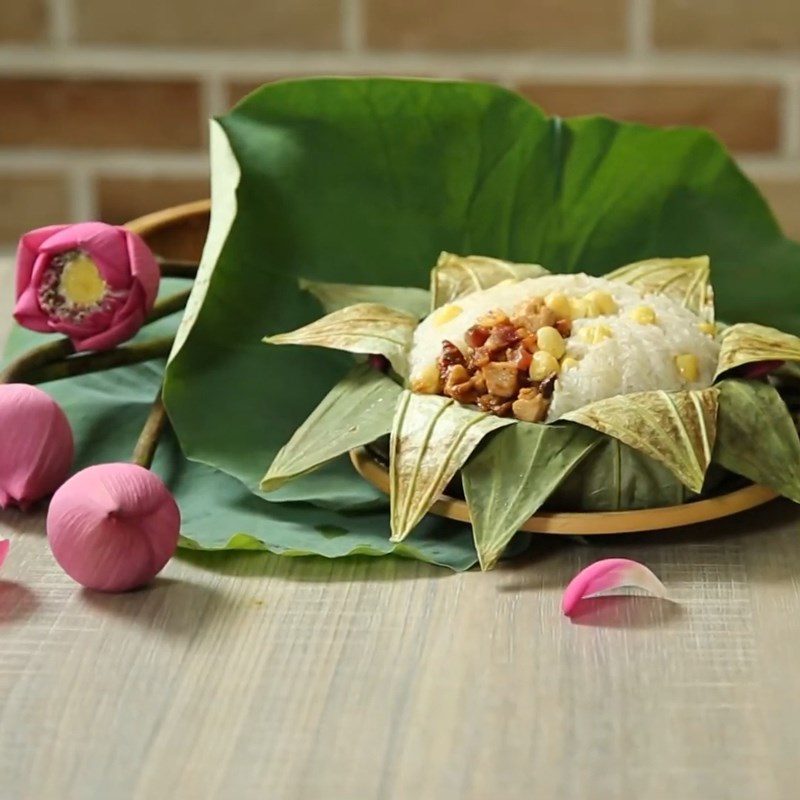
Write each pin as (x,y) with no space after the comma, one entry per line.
(596,522)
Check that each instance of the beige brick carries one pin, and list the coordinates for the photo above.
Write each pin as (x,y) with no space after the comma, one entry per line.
(24,21)
(30,201)
(43,112)
(277,24)
(121,199)
(783,195)
(568,25)
(745,116)
(763,25)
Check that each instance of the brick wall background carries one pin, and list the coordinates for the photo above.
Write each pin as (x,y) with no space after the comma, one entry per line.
(103,103)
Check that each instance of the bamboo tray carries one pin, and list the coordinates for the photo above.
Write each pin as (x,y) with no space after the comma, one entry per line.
(591,523)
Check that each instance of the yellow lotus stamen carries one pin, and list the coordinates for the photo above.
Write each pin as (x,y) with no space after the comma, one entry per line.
(81,283)
(688,367)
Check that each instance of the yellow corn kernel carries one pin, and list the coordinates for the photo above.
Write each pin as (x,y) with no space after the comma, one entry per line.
(427,380)
(644,315)
(687,366)
(445,314)
(559,304)
(578,307)
(602,302)
(568,363)
(708,328)
(542,365)
(549,340)
(594,334)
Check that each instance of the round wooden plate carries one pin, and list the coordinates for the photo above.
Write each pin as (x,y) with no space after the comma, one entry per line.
(592,523)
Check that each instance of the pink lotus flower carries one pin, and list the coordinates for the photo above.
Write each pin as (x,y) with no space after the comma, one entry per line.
(113,527)
(36,447)
(5,544)
(92,282)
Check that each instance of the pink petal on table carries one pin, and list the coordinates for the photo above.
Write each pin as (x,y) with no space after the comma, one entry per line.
(4,545)
(610,573)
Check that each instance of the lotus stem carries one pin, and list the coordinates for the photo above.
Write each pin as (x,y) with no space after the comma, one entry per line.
(99,362)
(33,361)
(176,268)
(146,445)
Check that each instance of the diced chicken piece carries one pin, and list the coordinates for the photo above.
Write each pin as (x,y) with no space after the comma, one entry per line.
(495,405)
(530,406)
(502,378)
(493,318)
(502,336)
(534,314)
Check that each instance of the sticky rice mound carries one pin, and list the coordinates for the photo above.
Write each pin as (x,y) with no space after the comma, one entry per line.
(641,345)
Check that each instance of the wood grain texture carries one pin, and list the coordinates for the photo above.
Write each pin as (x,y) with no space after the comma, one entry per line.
(251,676)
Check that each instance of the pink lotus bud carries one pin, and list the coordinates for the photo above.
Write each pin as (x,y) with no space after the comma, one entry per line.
(113,527)
(36,446)
(92,282)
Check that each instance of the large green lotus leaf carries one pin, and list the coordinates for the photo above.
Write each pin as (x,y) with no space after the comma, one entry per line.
(368,180)
(107,411)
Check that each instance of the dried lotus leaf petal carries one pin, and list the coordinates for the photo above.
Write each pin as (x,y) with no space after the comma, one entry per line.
(335,296)
(455,276)
(362,328)
(358,410)
(432,437)
(514,474)
(687,280)
(747,343)
(675,428)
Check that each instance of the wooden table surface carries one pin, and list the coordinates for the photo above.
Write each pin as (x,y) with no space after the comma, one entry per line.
(252,676)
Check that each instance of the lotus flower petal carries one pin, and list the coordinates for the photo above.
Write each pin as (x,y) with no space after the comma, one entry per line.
(5,545)
(607,575)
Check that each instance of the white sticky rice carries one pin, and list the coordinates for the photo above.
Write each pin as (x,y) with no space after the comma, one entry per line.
(635,358)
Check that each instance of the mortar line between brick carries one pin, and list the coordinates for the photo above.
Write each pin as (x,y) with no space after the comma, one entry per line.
(82,194)
(123,62)
(60,16)
(790,119)
(213,99)
(640,16)
(352,25)
(128,163)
